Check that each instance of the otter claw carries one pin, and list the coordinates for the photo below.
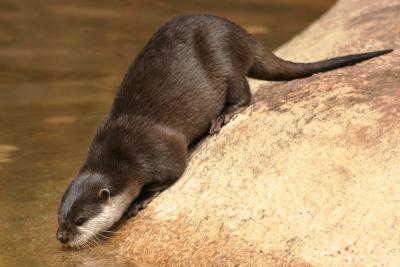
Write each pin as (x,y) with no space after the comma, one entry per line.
(216,125)
(133,211)
(221,120)
(139,205)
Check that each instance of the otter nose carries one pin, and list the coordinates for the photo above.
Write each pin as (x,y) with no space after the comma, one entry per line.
(63,237)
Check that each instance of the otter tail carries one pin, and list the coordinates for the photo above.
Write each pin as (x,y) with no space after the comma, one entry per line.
(267,66)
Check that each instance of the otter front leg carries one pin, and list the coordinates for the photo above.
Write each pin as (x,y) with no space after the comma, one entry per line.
(141,202)
(170,166)
(237,99)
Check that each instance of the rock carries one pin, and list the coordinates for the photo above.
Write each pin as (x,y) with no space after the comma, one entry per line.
(307,176)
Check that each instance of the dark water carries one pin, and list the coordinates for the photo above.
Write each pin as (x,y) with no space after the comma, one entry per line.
(61,62)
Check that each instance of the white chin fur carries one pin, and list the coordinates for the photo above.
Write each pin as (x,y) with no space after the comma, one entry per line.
(112,212)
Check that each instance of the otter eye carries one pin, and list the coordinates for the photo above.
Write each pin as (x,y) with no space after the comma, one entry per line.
(104,194)
(80,221)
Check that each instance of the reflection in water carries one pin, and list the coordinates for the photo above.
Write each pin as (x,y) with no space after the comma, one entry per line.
(5,151)
(61,119)
(61,62)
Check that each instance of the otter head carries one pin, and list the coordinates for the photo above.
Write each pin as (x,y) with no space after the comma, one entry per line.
(120,162)
(90,206)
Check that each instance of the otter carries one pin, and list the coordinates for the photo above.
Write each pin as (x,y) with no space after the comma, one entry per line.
(189,80)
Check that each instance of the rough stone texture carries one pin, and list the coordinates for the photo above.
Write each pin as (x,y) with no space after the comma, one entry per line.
(307,176)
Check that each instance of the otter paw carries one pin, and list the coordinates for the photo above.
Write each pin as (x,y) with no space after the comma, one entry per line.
(133,210)
(138,205)
(221,120)
(216,124)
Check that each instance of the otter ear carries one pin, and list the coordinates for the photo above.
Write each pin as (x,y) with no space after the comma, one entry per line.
(104,194)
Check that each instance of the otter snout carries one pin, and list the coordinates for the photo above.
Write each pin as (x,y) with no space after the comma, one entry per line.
(65,233)
(62,236)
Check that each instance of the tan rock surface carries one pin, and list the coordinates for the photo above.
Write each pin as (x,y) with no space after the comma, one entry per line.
(309,175)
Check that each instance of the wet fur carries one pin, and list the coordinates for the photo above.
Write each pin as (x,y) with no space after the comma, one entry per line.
(189,80)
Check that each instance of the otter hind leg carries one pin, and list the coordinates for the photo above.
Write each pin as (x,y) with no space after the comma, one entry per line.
(237,99)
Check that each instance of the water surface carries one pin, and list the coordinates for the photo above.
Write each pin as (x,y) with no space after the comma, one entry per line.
(61,62)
